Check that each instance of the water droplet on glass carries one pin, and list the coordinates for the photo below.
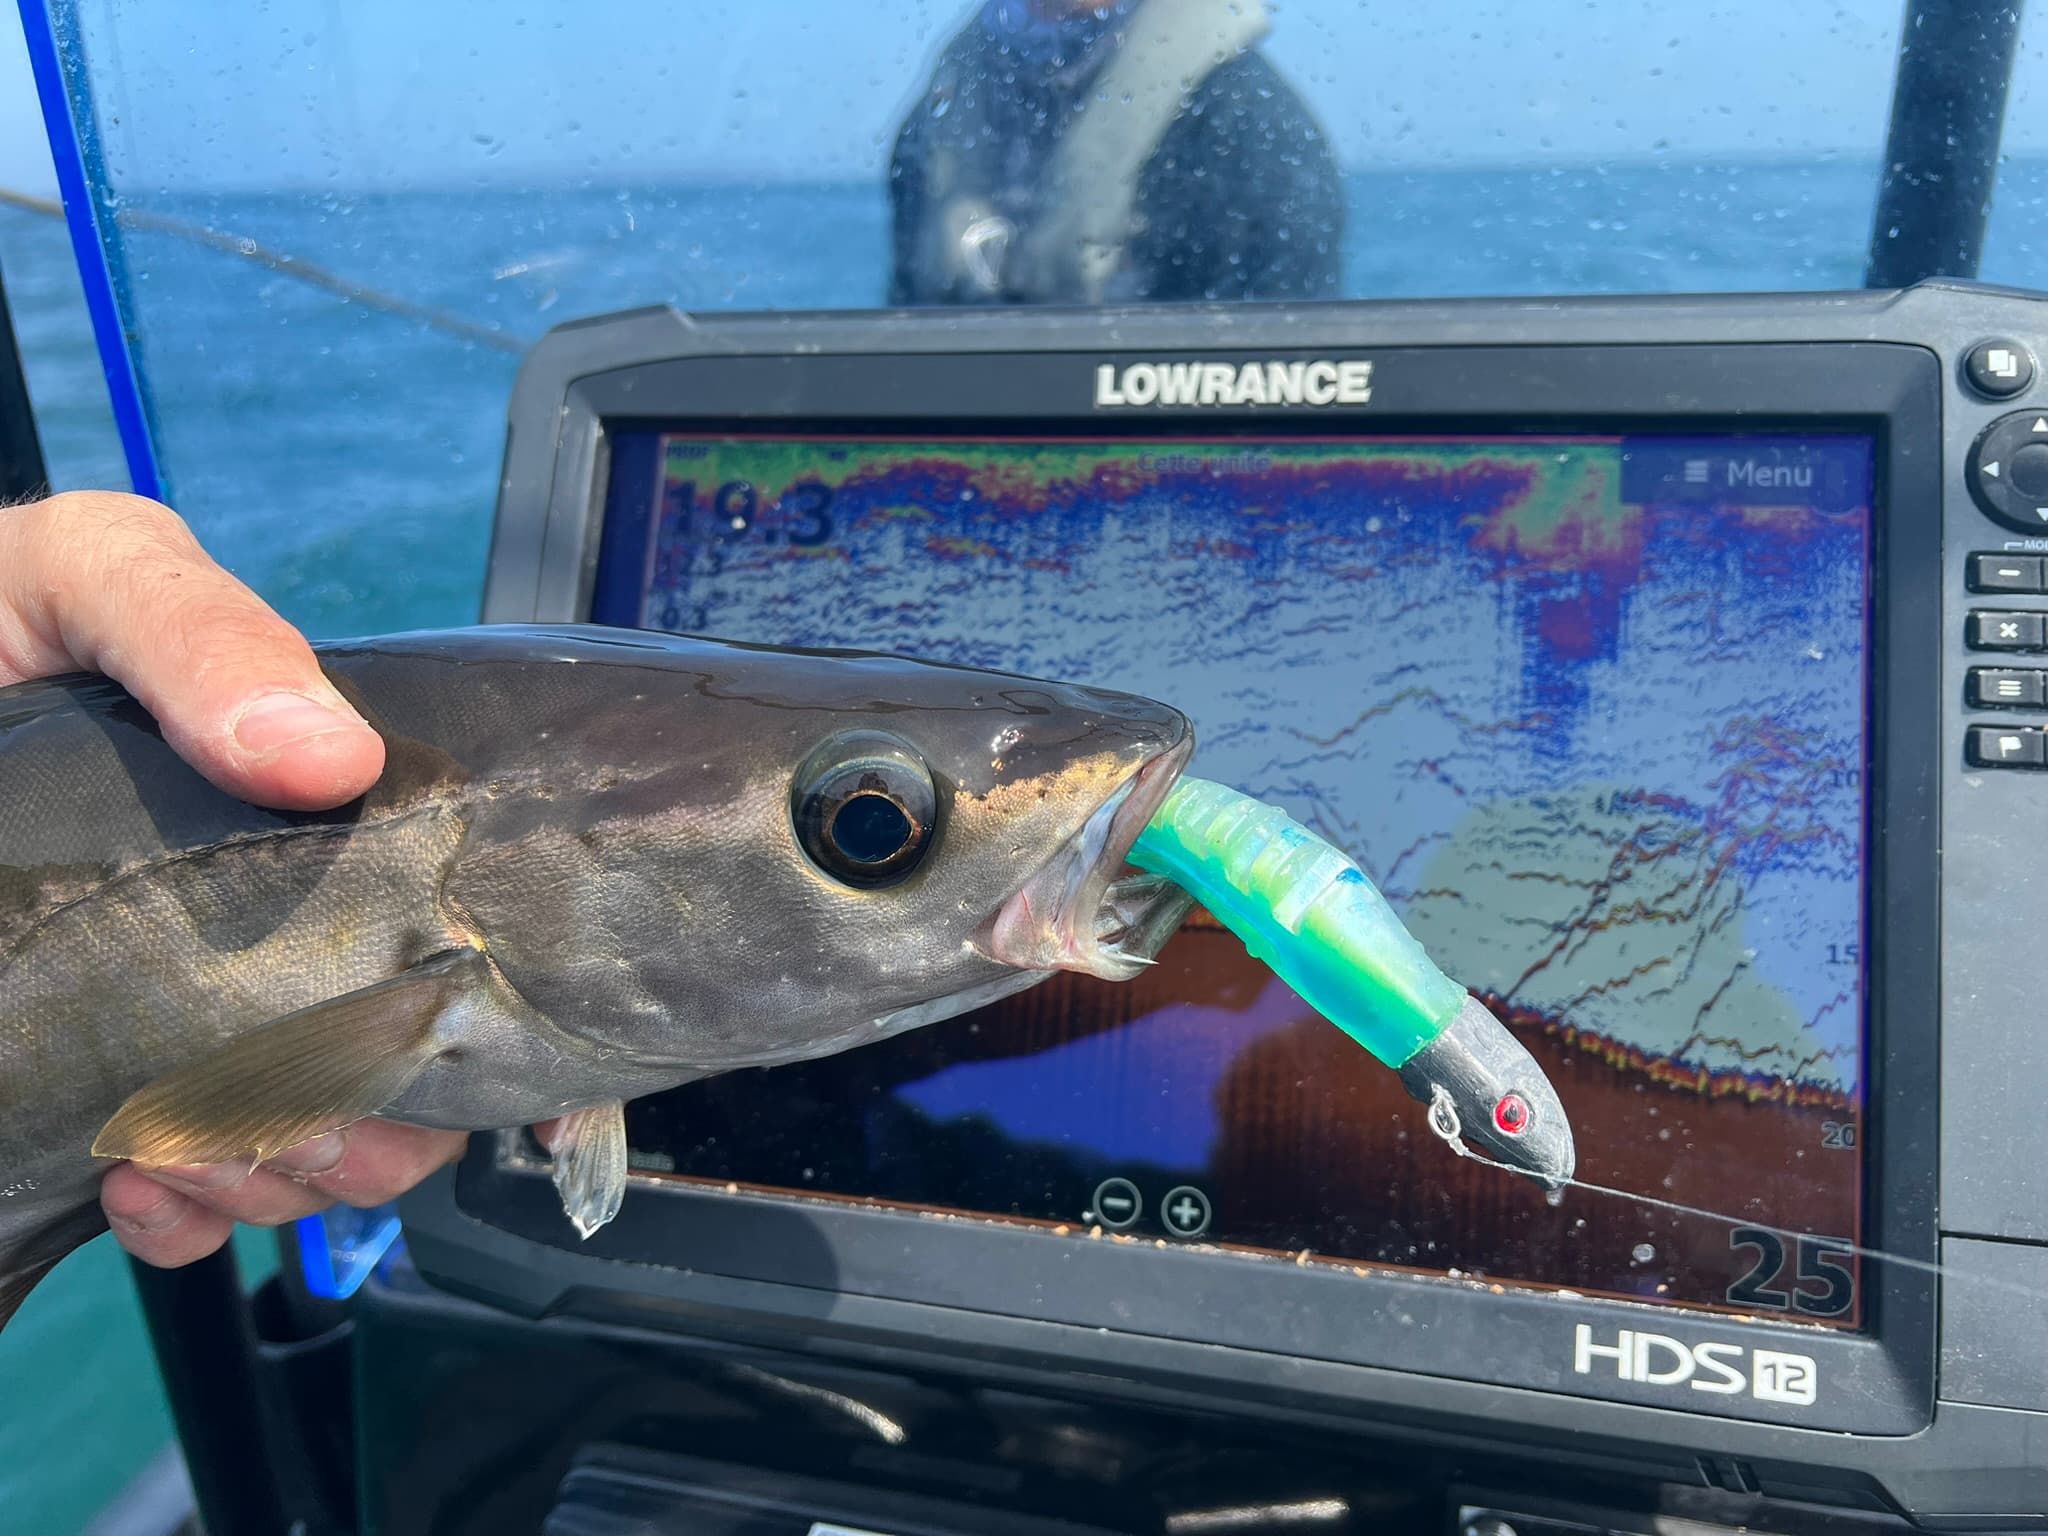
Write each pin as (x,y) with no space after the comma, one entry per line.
(1642,1253)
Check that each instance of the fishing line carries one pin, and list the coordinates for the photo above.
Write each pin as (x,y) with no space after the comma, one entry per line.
(1444,1121)
(285,264)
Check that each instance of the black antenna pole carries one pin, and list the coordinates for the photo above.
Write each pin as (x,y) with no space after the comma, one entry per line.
(206,1353)
(23,474)
(1941,157)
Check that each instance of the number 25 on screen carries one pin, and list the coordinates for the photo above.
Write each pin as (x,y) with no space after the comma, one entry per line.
(1823,1266)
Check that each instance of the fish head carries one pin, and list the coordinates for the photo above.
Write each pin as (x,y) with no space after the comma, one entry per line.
(980,825)
(763,854)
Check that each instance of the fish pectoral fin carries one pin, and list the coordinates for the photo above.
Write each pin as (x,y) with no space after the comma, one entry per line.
(590,1164)
(292,1079)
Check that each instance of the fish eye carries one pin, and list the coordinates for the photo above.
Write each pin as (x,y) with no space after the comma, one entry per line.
(864,808)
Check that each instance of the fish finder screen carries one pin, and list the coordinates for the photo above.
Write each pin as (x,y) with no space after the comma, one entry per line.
(1591,710)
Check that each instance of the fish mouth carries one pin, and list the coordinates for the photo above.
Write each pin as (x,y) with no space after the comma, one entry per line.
(1088,909)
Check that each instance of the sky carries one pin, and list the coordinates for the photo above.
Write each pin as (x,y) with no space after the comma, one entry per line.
(358,94)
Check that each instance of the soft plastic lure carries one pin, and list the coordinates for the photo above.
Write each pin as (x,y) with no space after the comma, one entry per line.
(1310,914)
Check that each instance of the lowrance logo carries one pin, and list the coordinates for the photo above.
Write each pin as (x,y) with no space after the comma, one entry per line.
(1652,1359)
(1323,382)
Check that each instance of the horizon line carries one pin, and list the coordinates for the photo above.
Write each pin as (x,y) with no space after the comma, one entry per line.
(725,178)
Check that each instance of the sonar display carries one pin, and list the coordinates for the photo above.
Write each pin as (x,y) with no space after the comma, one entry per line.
(1592,711)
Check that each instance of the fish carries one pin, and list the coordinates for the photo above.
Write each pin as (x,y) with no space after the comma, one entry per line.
(1319,923)
(598,864)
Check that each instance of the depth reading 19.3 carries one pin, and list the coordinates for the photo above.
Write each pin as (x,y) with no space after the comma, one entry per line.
(802,516)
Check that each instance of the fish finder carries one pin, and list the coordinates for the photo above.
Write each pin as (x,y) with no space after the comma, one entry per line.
(1677,669)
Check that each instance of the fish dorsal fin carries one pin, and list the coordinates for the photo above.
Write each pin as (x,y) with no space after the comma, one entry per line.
(590,1164)
(297,1077)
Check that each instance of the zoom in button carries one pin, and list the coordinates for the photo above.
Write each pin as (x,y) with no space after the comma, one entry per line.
(1185,1211)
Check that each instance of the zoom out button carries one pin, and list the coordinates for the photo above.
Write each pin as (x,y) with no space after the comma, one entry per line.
(1117,1204)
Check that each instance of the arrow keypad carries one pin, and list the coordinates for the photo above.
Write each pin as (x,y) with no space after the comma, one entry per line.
(2008,471)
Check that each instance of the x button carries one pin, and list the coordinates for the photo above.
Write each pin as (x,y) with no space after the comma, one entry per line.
(2005,631)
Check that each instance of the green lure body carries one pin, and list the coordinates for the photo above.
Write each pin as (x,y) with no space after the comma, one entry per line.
(1305,910)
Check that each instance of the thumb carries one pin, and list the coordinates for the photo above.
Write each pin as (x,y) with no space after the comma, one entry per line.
(117,584)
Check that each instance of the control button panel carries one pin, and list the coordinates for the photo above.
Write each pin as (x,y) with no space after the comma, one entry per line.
(1996,631)
(2007,746)
(2007,688)
(2006,573)
(1999,368)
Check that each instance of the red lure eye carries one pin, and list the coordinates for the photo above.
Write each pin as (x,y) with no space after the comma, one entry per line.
(1511,1114)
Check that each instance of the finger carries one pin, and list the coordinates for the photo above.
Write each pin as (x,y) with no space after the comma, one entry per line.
(366,1164)
(117,584)
(159,1225)
(257,1197)
(381,1161)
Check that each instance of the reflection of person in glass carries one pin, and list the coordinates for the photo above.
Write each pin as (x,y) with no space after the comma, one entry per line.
(1090,151)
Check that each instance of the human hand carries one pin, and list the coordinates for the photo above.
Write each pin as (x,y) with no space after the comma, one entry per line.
(104,582)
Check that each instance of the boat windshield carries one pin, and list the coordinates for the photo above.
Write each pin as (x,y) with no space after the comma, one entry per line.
(329,234)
